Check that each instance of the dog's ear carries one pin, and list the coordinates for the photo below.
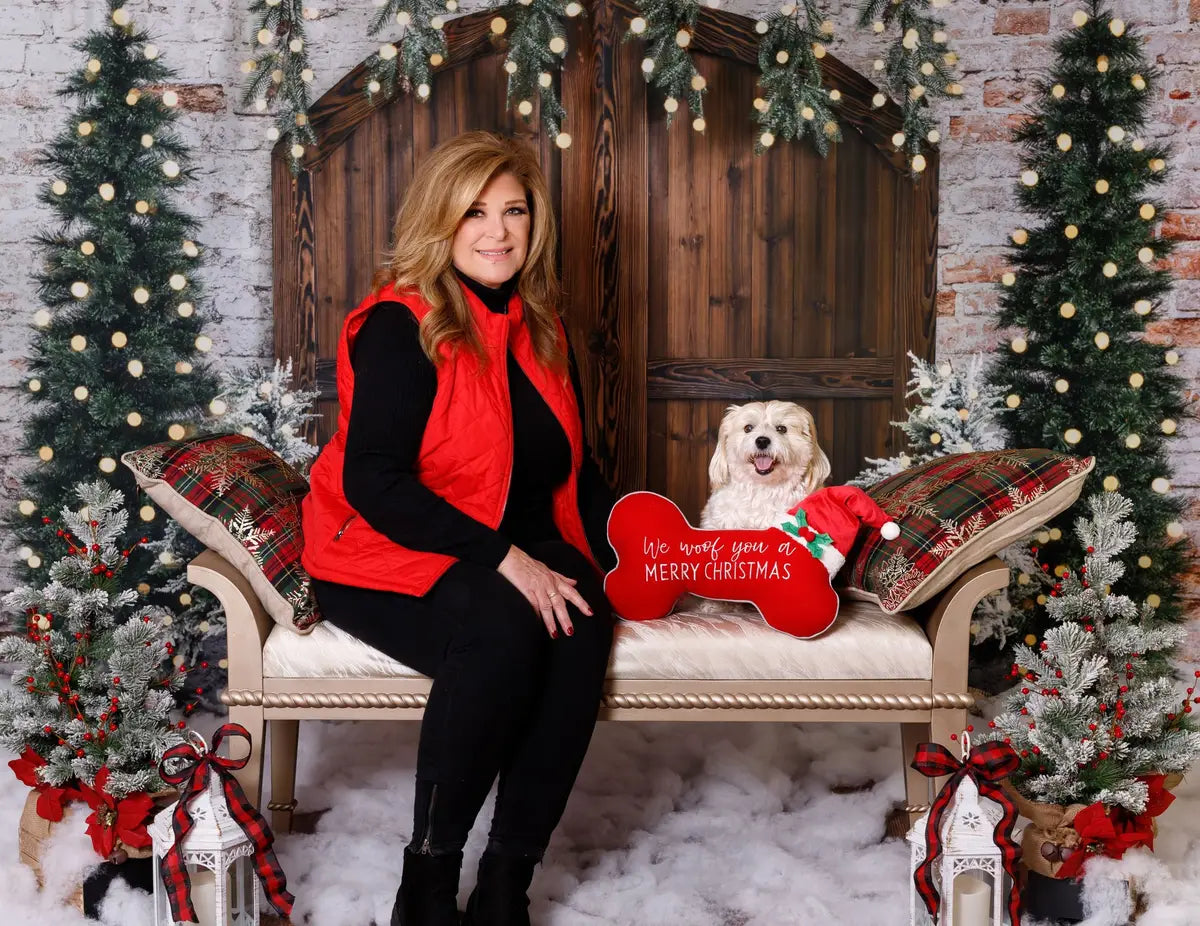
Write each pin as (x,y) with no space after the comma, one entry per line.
(818,469)
(718,466)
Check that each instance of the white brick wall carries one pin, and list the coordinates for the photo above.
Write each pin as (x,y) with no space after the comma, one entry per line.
(1002,46)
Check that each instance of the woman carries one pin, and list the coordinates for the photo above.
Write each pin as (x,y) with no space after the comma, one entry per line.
(446,521)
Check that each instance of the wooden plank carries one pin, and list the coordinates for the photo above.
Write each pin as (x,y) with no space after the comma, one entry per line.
(750,379)
(294,277)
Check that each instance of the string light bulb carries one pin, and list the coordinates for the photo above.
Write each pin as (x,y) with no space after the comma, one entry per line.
(1071,231)
(119,339)
(1064,142)
(1058,91)
(177,281)
(1160,485)
(1072,436)
(1061,385)
(26,507)
(133,419)
(107,464)
(1111,483)
(1109,269)
(562,139)
(1116,134)
(78,343)
(80,290)
(45,453)
(1020,236)
(1133,441)
(1101,186)
(1102,63)
(1013,401)
(1168,426)
(1171,357)
(146,513)
(1019,345)
(141,295)
(185,309)
(107,192)
(1029,177)
(1067,310)
(1137,380)
(637,25)
(1079,18)
(1102,340)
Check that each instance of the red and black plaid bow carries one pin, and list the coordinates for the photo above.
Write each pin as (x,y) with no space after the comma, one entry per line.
(192,772)
(987,764)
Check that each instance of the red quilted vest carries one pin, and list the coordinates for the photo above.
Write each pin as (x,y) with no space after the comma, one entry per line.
(465,455)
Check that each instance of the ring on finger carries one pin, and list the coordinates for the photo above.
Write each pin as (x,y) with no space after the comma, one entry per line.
(552,595)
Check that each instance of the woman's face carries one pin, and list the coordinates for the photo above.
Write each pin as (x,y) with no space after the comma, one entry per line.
(493,237)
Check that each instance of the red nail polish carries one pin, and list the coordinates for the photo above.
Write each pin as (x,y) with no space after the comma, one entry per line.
(570,630)
(553,634)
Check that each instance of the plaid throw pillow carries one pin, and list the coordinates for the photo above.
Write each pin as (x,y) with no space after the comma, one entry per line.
(238,498)
(954,512)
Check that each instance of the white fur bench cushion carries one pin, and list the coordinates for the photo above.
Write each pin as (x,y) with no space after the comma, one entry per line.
(863,643)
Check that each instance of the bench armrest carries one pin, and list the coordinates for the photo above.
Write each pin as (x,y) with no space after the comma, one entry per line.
(247,623)
(949,623)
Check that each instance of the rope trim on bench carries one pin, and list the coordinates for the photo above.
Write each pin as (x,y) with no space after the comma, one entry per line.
(248,698)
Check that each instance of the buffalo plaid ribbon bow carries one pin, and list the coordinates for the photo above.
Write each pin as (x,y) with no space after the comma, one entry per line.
(987,764)
(192,774)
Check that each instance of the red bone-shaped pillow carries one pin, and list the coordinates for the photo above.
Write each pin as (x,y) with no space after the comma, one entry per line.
(660,556)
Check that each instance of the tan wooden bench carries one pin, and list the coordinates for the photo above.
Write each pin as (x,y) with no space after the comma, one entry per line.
(908,668)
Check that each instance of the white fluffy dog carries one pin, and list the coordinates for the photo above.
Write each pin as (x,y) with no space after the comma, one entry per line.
(767,459)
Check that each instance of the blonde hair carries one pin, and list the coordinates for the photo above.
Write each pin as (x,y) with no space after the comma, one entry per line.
(445,185)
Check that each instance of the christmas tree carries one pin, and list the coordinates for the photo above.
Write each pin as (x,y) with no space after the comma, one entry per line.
(1096,709)
(93,690)
(114,361)
(1083,379)
(958,412)
(259,403)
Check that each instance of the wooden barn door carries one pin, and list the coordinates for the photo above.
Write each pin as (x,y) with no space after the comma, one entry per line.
(714,277)
(696,274)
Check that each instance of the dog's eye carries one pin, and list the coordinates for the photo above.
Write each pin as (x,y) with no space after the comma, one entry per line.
(781,428)
(748,428)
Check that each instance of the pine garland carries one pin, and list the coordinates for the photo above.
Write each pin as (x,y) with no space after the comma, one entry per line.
(916,69)
(795,103)
(407,64)
(280,72)
(666,27)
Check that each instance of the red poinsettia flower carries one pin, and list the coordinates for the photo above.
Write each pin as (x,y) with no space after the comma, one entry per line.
(50,798)
(1159,798)
(111,819)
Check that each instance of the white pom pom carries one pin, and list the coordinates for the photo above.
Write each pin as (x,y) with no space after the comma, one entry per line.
(890,531)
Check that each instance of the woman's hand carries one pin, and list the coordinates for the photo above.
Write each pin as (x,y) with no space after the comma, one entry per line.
(545,589)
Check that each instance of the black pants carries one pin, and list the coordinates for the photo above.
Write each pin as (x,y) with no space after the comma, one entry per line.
(506,700)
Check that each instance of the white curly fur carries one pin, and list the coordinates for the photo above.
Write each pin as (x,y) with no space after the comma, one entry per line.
(740,497)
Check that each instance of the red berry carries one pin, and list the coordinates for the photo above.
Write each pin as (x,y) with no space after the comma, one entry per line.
(1008,740)
(1032,725)
(116,680)
(953,736)
(1103,755)
(1036,751)
(1024,691)
(1091,549)
(79,752)
(970,727)
(113,727)
(992,724)
(47,729)
(88,737)
(181,725)
(1024,753)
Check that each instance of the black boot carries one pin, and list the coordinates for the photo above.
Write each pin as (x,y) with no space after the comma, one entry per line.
(500,898)
(428,894)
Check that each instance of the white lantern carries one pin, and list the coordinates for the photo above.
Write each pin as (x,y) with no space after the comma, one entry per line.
(218,857)
(969,873)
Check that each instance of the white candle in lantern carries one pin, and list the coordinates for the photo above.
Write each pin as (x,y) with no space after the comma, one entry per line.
(972,901)
(204,896)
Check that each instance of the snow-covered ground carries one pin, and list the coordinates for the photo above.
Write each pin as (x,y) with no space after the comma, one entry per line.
(670,825)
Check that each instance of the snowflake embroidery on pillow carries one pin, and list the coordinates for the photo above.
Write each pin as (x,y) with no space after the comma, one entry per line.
(149,461)
(247,532)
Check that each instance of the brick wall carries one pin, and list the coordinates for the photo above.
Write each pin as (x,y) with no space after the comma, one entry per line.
(1002,46)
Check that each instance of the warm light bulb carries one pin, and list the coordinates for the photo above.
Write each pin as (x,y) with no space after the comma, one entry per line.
(1071,231)
(807,114)
(170,168)
(1013,401)
(41,318)
(1157,164)
(1102,63)
(141,295)
(781,56)
(1111,483)
(178,281)
(204,343)
(1168,426)
(107,192)
(26,507)
(878,100)
(1019,345)
(1072,436)
(1029,177)
(1064,141)
(185,309)
(1061,385)
(81,393)
(683,38)
(1138,81)
(647,65)
(1109,269)
(182,367)
(107,464)
(1008,278)
(78,342)
(1133,441)
(638,25)
(141,207)
(1101,186)
(119,339)
(1160,485)
(146,512)
(1171,357)
(120,16)
(1145,562)
(1116,134)
(176,432)
(423,91)
(135,368)
(79,289)
(1174,529)
(545,79)
(1117,27)
(766,139)
(898,139)
(1020,236)
(387,51)
(1102,340)
(35,385)
(218,407)
(134,419)
(45,454)
(499,24)
(563,140)
(1058,91)
(918,163)
(670,104)
(1137,380)
(1067,310)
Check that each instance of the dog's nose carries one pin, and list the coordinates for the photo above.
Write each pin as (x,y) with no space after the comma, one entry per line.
(762,443)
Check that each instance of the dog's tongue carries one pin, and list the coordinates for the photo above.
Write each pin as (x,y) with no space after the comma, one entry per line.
(763,462)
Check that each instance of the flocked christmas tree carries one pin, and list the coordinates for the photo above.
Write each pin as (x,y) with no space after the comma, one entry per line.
(115,361)
(93,689)
(1083,379)
(259,403)
(1096,708)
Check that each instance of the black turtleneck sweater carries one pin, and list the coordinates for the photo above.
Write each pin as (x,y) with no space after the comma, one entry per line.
(395,385)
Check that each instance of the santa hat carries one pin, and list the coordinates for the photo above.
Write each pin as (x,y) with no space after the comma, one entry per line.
(839,512)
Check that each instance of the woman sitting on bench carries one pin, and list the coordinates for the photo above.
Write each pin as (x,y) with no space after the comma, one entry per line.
(456,520)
